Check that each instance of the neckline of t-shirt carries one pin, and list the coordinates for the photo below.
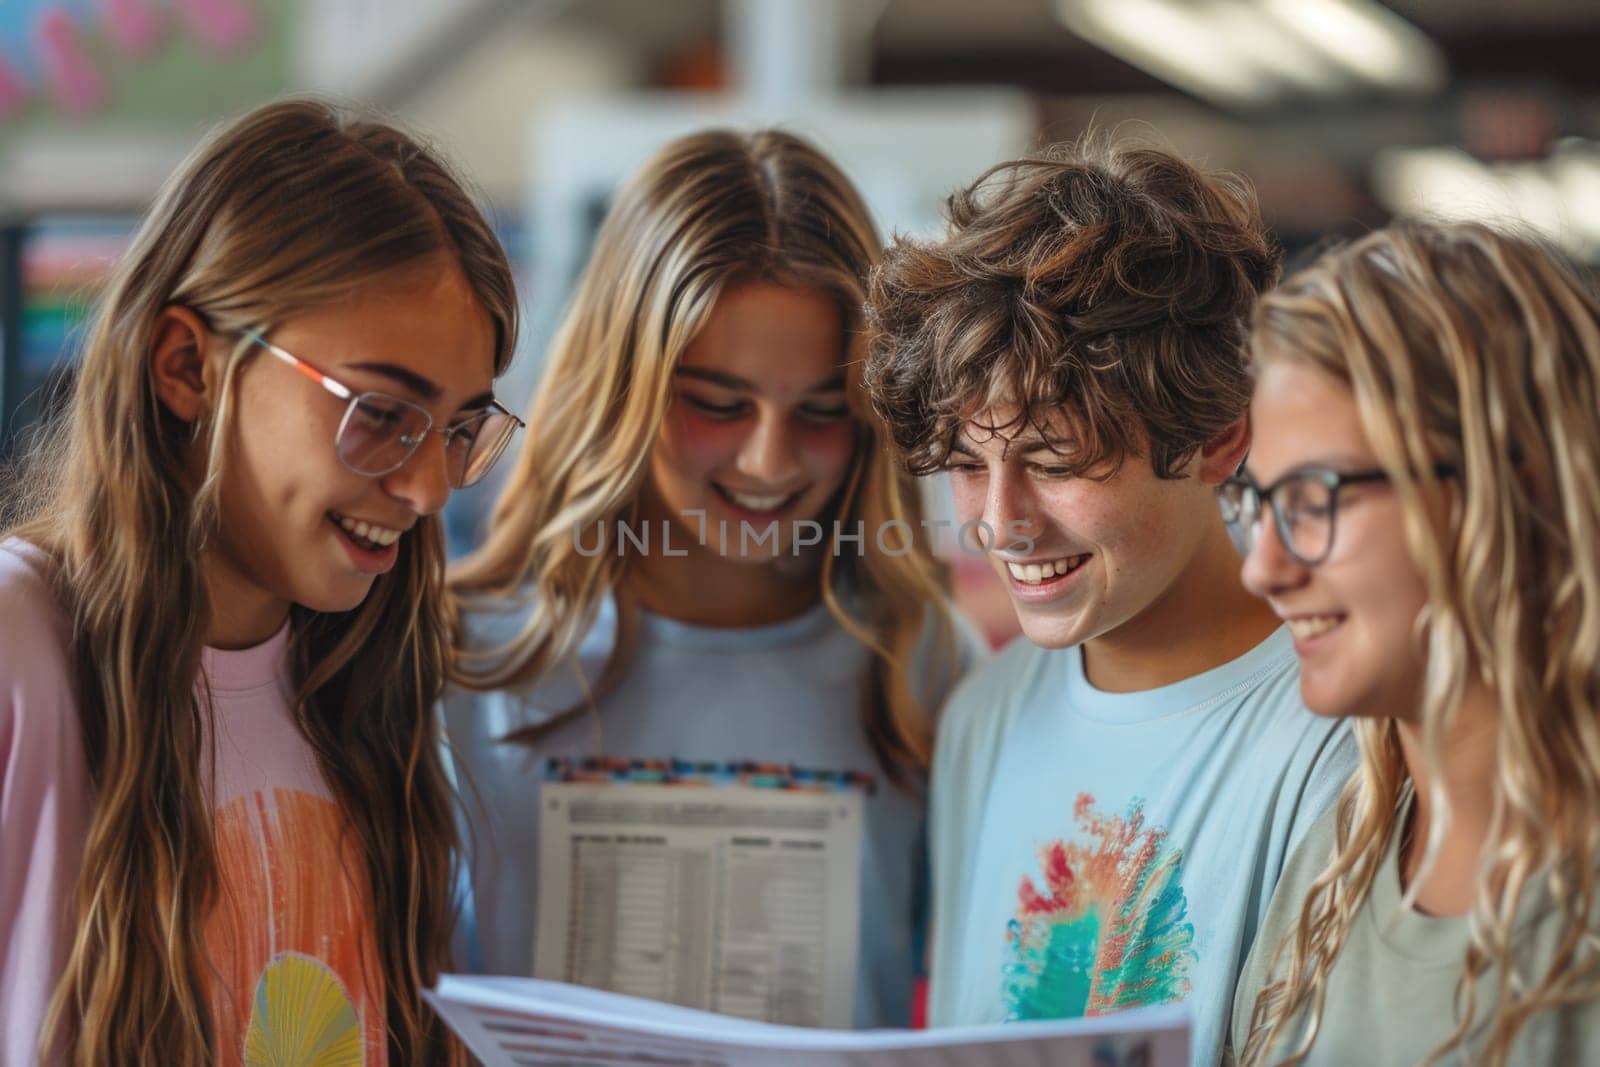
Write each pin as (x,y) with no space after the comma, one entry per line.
(1433,940)
(239,670)
(1208,687)
(803,627)
(1430,940)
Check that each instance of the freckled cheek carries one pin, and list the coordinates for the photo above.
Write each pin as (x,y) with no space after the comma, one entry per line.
(1091,518)
(967,494)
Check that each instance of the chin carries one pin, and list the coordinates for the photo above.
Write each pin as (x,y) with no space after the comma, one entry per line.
(1327,705)
(1049,633)
(336,598)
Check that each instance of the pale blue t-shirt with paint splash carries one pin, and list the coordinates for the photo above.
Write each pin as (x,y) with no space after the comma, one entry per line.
(1098,851)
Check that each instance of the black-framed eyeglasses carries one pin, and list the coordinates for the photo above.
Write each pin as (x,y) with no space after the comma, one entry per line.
(1304,504)
(379,432)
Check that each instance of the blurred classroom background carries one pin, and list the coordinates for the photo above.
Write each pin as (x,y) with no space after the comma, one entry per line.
(1345,113)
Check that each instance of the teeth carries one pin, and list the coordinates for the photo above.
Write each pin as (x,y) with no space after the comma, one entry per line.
(378,535)
(756,503)
(1313,625)
(1034,573)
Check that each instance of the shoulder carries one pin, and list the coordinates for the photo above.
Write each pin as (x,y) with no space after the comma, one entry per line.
(34,633)
(1276,714)
(494,626)
(1307,860)
(490,622)
(494,630)
(1301,758)
(983,705)
(41,747)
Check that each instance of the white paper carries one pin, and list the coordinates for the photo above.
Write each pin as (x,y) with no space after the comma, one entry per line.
(733,899)
(525,1022)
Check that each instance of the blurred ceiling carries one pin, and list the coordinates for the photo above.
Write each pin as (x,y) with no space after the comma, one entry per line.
(1513,80)
(1022,42)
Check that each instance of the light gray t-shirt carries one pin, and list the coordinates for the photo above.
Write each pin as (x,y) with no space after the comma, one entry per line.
(785,693)
(1098,851)
(1391,993)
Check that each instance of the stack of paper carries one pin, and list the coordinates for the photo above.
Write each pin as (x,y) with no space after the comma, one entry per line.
(531,1023)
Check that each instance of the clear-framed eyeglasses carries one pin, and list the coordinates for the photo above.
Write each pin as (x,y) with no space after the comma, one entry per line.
(379,432)
(1304,505)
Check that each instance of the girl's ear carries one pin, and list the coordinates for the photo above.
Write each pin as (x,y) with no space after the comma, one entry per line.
(178,363)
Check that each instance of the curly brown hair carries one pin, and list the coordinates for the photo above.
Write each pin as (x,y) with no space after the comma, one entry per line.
(1110,282)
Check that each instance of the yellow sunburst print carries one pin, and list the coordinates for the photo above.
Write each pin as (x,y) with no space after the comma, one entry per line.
(301,1017)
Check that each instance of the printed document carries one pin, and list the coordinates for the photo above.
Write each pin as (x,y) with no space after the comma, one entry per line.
(525,1022)
(736,898)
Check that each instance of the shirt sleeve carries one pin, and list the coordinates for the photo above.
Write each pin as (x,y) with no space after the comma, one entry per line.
(1333,761)
(44,805)
(1283,915)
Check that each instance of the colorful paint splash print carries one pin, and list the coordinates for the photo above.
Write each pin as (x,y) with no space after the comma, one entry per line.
(1110,928)
(291,940)
(302,1018)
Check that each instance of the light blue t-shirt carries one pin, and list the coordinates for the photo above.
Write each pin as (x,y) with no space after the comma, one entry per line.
(1097,851)
(785,693)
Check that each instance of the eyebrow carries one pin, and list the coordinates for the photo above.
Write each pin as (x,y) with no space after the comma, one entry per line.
(416,384)
(733,381)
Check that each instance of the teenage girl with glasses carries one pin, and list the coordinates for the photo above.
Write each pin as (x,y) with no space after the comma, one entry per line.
(708,374)
(1427,425)
(225,831)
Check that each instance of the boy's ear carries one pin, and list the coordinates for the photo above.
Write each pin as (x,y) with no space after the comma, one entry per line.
(178,363)
(1221,456)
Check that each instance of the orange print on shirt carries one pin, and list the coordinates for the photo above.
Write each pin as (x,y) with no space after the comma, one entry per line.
(291,938)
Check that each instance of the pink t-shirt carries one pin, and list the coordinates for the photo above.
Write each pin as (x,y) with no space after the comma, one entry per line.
(291,943)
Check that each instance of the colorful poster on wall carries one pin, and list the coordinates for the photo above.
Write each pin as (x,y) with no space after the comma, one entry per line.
(58,53)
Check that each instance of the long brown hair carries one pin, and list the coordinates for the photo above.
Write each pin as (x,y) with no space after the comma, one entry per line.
(709,210)
(1480,350)
(289,208)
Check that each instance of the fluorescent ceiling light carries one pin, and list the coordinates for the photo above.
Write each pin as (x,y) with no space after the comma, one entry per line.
(1262,42)
(1366,38)
(1553,197)
(1252,52)
(1439,183)
(1175,42)
(1575,170)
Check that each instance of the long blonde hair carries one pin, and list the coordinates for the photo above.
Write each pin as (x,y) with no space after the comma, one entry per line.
(1477,349)
(290,208)
(709,210)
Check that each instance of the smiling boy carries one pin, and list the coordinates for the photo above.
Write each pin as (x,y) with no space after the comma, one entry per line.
(1113,798)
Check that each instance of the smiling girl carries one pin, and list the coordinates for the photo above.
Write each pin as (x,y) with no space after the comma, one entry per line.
(1423,502)
(706,382)
(225,831)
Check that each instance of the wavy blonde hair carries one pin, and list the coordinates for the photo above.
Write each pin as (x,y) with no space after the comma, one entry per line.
(1480,350)
(290,208)
(708,211)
